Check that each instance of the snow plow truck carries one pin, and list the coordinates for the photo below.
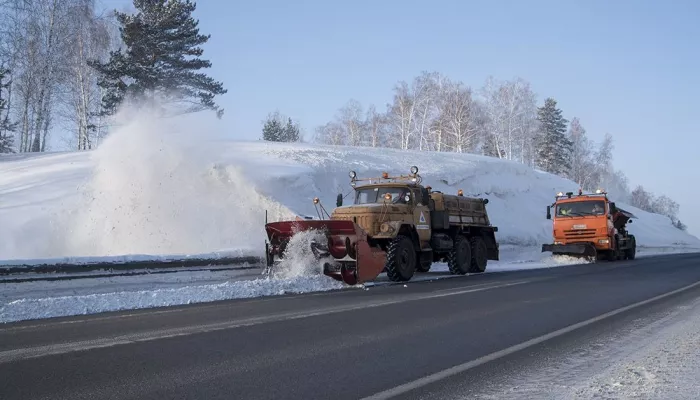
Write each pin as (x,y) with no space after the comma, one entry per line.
(394,225)
(590,226)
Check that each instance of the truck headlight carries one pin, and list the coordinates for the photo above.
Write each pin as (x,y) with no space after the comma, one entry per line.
(386,228)
(603,241)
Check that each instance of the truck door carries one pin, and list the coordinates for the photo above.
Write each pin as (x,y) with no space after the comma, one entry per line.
(421,217)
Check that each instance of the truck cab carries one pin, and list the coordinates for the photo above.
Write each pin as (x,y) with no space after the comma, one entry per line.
(589,225)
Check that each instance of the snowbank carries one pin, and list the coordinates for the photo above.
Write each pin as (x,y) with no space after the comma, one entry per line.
(171,188)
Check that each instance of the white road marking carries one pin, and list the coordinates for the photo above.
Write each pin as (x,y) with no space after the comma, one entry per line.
(63,348)
(457,369)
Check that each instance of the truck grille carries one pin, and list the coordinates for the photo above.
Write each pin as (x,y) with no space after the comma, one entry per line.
(365,222)
(369,224)
(580,234)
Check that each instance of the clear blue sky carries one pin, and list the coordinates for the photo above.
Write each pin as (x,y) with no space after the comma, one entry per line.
(625,67)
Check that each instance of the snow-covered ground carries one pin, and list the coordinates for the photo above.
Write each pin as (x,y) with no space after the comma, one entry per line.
(42,299)
(177,188)
(655,357)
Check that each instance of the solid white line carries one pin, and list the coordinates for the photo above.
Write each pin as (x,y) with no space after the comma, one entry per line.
(63,348)
(457,369)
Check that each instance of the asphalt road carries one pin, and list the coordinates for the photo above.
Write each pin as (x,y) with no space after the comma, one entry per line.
(430,339)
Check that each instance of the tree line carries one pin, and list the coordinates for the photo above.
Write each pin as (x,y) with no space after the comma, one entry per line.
(66,66)
(499,119)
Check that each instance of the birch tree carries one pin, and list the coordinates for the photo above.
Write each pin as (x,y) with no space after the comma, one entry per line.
(403,111)
(36,35)
(582,164)
(82,96)
(428,88)
(511,107)
(331,133)
(376,126)
(7,127)
(351,118)
(459,118)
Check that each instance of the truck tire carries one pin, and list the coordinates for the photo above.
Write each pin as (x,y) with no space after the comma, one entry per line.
(632,251)
(424,266)
(459,259)
(401,259)
(479,256)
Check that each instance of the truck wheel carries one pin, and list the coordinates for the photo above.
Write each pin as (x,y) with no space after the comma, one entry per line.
(400,259)
(479,259)
(459,259)
(424,266)
(632,251)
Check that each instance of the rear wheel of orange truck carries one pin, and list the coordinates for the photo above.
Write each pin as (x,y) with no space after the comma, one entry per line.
(401,259)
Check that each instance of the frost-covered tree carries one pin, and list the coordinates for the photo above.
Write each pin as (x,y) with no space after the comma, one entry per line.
(81,96)
(510,107)
(458,119)
(291,132)
(640,198)
(582,163)
(273,129)
(554,148)
(35,36)
(279,128)
(7,127)
(160,60)
(404,111)
(350,117)
(330,133)
(376,126)
(665,206)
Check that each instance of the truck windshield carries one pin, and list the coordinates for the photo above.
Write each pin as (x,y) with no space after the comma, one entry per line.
(580,208)
(376,195)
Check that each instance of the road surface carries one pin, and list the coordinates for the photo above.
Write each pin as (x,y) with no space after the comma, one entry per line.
(438,339)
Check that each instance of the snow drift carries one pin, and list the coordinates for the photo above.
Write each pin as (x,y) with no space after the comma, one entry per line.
(175,187)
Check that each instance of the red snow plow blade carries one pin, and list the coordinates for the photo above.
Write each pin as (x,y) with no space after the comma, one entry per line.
(350,258)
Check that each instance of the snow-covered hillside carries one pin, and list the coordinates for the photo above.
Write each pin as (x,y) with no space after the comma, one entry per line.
(155,189)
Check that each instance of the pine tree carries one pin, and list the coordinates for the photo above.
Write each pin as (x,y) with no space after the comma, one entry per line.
(291,132)
(554,147)
(6,127)
(161,59)
(273,131)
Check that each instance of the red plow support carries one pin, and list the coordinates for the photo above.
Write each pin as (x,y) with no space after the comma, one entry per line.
(351,259)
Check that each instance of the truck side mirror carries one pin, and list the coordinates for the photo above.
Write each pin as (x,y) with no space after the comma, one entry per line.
(339,200)
(549,212)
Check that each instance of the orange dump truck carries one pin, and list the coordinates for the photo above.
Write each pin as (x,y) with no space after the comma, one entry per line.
(590,226)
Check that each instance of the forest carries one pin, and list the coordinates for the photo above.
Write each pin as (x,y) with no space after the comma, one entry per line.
(499,118)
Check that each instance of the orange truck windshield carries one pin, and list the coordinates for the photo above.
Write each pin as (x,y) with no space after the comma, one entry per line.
(580,208)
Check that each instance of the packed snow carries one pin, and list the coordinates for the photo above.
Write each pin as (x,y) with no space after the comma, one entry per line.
(179,187)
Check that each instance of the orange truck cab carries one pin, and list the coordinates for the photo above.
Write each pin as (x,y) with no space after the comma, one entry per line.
(590,226)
